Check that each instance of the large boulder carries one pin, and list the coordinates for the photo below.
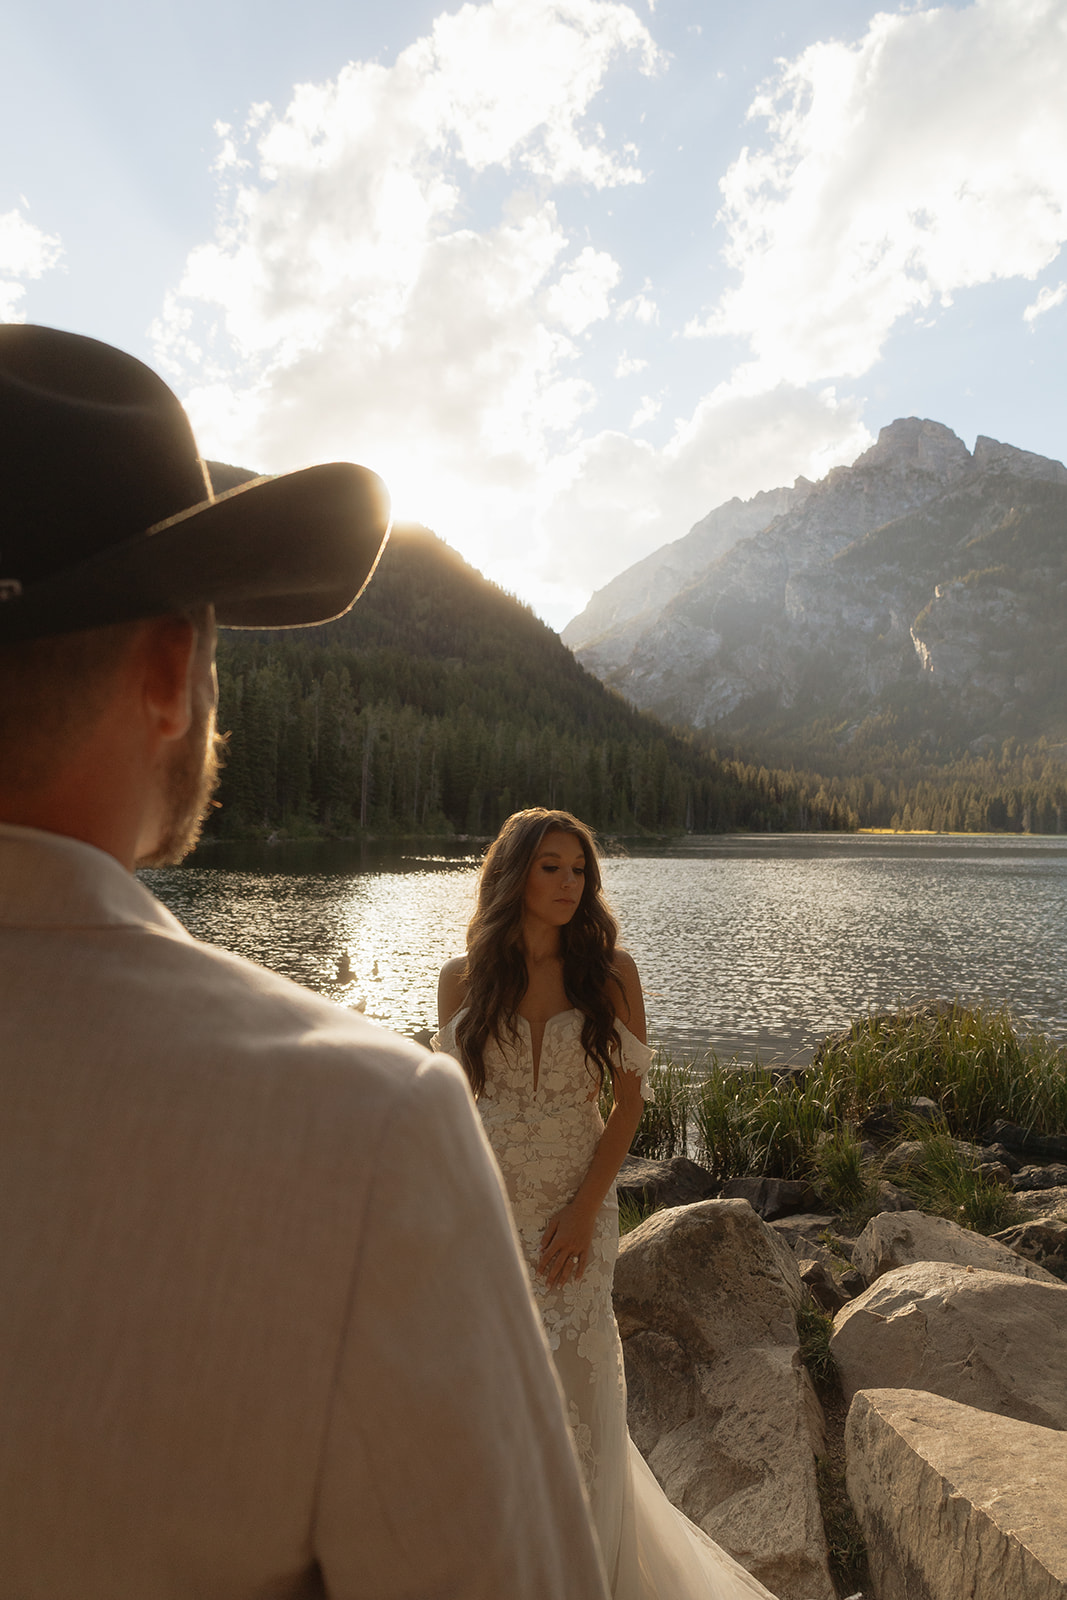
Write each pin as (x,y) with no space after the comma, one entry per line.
(772,1197)
(674,1182)
(899,1238)
(981,1338)
(719,1403)
(956,1502)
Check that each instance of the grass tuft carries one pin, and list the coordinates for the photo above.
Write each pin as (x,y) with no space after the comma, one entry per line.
(632,1213)
(814,1328)
(950,1184)
(844,1541)
(842,1177)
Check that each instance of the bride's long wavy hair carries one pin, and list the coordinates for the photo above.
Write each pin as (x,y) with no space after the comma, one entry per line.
(495,973)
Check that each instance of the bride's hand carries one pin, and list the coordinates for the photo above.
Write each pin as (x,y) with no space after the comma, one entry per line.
(565,1245)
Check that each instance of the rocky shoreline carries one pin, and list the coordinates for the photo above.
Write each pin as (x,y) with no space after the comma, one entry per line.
(853,1392)
(947,1358)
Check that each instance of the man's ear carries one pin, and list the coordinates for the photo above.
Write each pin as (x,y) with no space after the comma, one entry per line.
(167,654)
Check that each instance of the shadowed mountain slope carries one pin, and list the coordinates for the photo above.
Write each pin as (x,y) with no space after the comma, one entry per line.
(440,703)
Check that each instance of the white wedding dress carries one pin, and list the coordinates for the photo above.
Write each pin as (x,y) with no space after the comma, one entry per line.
(544,1139)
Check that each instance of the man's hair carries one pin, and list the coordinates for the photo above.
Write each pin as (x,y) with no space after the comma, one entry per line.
(52,691)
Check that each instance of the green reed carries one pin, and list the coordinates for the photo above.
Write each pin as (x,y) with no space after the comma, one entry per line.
(976,1064)
(665,1125)
(740,1119)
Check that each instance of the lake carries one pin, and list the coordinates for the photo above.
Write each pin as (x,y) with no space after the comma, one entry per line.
(746,943)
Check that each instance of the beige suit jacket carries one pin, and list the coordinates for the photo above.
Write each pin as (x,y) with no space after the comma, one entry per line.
(263,1326)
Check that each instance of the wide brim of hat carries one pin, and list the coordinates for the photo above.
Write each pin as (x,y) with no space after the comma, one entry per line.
(273,553)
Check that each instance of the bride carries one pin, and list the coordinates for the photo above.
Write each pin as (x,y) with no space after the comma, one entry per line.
(542,1011)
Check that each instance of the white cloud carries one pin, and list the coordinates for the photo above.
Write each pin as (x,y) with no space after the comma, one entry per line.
(26,252)
(649,409)
(641,308)
(583,293)
(627,365)
(1047,300)
(923,160)
(352,304)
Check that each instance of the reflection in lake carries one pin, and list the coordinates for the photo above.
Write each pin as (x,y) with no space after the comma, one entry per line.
(744,943)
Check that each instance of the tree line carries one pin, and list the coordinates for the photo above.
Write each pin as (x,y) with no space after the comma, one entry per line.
(440,704)
(308,754)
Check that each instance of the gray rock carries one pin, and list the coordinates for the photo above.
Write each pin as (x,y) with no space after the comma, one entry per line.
(955,1502)
(771,1197)
(822,1285)
(814,1250)
(1049,1146)
(719,1403)
(910,1155)
(677,1182)
(804,1225)
(898,1239)
(992,456)
(859,589)
(1043,1241)
(890,1198)
(1043,1202)
(1050,1177)
(650,583)
(982,1338)
(1001,1153)
(996,1172)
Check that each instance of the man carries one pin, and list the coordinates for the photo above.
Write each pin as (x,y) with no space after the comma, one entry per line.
(263,1327)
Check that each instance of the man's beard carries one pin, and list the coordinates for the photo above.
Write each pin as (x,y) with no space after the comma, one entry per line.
(192,778)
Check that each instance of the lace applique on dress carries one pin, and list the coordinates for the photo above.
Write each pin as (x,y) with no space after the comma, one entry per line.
(582,1435)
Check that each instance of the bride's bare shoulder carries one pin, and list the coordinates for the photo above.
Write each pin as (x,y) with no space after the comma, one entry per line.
(630,1002)
(451,989)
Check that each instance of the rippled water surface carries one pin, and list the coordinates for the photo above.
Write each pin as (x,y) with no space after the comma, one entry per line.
(743,943)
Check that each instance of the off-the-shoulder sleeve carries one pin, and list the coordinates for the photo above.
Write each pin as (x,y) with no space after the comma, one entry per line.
(444,1040)
(636,1057)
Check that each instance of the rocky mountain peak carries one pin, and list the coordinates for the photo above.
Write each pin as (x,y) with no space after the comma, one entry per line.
(921,570)
(992,456)
(917,443)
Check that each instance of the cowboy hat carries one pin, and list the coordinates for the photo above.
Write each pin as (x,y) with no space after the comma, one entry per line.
(107,512)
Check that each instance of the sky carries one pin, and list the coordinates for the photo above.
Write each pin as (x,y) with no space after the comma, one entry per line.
(567,273)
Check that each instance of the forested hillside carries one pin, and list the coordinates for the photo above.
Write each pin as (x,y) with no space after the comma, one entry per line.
(919,784)
(440,704)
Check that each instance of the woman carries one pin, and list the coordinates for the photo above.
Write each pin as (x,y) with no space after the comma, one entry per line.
(543,1011)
